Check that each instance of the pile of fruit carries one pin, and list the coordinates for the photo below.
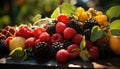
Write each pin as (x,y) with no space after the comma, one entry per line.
(62,39)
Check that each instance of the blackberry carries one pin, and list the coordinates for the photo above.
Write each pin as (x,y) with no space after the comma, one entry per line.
(30,54)
(105,51)
(51,28)
(42,52)
(87,33)
(66,43)
(90,23)
(76,25)
(56,47)
(4,50)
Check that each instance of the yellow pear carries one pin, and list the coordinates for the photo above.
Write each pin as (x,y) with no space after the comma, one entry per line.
(17,42)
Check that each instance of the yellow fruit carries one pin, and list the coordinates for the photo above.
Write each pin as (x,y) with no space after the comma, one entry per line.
(17,42)
(91,10)
(79,11)
(114,43)
(99,13)
(84,16)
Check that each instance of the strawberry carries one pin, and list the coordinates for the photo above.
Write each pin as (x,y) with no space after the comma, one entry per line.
(62,56)
(60,27)
(38,31)
(24,31)
(45,37)
(63,18)
(69,33)
(30,42)
(94,52)
(73,51)
(56,38)
(77,39)
(8,39)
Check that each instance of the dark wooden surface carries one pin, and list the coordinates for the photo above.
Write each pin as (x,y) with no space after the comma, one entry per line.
(113,63)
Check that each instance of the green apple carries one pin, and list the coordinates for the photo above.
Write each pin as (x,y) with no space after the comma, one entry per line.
(17,42)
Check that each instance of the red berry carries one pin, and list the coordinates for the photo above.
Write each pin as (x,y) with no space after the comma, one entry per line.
(62,56)
(88,44)
(25,31)
(77,39)
(30,42)
(60,27)
(69,33)
(56,38)
(8,39)
(37,41)
(63,18)
(94,52)
(8,30)
(73,51)
(38,31)
(45,37)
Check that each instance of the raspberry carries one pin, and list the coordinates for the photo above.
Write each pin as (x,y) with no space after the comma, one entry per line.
(30,42)
(60,27)
(7,40)
(37,41)
(62,56)
(45,37)
(38,31)
(8,30)
(63,18)
(69,33)
(56,38)
(73,51)
(94,52)
(24,31)
(88,44)
(77,39)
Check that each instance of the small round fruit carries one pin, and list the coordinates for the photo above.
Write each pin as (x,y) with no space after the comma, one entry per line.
(17,42)
(83,17)
(63,18)
(99,13)
(60,27)
(62,56)
(79,11)
(77,39)
(69,33)
(91,10)
(114,42)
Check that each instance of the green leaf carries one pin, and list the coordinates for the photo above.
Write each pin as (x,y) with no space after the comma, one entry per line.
(115,27)
(85,55)
(17,52)
(65,8)
(56,13)
(96,33)
(82,44)
(113,12)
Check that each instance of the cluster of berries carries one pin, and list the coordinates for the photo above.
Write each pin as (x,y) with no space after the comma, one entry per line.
(60,39)
(83,15)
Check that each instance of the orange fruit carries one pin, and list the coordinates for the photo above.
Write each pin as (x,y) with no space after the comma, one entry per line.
(83,16)
(114,43)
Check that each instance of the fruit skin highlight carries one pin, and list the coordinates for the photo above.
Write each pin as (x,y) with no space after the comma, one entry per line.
(114,43)
(17,42)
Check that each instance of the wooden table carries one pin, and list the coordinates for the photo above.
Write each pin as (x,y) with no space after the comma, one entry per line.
(113,63)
